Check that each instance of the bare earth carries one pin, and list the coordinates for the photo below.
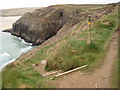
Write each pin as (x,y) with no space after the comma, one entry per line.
(98,79)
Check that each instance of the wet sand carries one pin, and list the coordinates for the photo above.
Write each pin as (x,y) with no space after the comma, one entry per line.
(6,22)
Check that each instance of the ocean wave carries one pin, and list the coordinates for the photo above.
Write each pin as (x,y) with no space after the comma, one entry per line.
(6,33)
(5,64)
(4,54)
(26,49)
(6,57)
(23,41)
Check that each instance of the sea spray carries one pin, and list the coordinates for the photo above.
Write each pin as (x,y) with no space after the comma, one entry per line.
(11,47)
(23,41)
(5,64)
(26,49)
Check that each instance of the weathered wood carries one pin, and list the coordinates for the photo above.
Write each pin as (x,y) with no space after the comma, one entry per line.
(89,30)
(70,71)
(51,73)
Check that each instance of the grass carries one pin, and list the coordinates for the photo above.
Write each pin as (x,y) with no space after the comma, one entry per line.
(75,52)
(67,53)
(72,54)
(25,75)
(0,80)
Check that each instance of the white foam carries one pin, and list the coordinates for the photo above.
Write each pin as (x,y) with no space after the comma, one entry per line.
(7,33)
(23,41)
(25,49)
(5,64)
(4,54)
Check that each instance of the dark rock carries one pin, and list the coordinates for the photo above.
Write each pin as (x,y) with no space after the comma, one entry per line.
(6,30)
(41,24)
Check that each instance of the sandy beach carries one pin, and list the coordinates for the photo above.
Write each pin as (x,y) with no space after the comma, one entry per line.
(6,22)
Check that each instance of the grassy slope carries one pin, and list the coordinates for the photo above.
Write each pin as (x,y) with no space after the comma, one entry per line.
(75,52)
(24,75)
(71,53)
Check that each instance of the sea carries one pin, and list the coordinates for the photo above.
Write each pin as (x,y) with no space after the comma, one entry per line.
(11,47)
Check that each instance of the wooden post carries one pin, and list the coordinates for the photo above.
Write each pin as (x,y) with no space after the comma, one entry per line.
(89,30)
(51,73)
(70,71)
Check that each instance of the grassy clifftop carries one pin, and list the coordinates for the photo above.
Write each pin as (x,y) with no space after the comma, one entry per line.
(21,11)
(74,51)
(68,53)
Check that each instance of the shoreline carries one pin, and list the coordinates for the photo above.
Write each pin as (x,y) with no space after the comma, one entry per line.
(7,63)
(6,24)
(10,15)
(25,42)
(13,59)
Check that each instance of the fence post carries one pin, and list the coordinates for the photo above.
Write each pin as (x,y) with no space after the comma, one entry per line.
(89,29)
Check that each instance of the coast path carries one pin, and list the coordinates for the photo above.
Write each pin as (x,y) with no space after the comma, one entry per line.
(99,78)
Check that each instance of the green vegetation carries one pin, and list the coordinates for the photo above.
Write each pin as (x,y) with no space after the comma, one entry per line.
(0,80)
(25,75)
(75,52)
(68,53)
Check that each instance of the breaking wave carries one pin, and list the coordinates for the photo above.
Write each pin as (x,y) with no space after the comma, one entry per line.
(4,59)
(6,63)
(23,41)
(11,47)
(26,49)
(4,54)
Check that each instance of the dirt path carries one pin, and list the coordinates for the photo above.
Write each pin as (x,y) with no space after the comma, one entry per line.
(98,79)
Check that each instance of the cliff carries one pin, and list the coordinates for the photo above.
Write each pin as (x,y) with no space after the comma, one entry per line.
(66,49)
(43,23)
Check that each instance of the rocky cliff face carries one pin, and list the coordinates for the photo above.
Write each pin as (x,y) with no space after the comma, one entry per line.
(41,24)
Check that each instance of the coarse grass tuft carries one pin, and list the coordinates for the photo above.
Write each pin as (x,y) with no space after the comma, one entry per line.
(75,52)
